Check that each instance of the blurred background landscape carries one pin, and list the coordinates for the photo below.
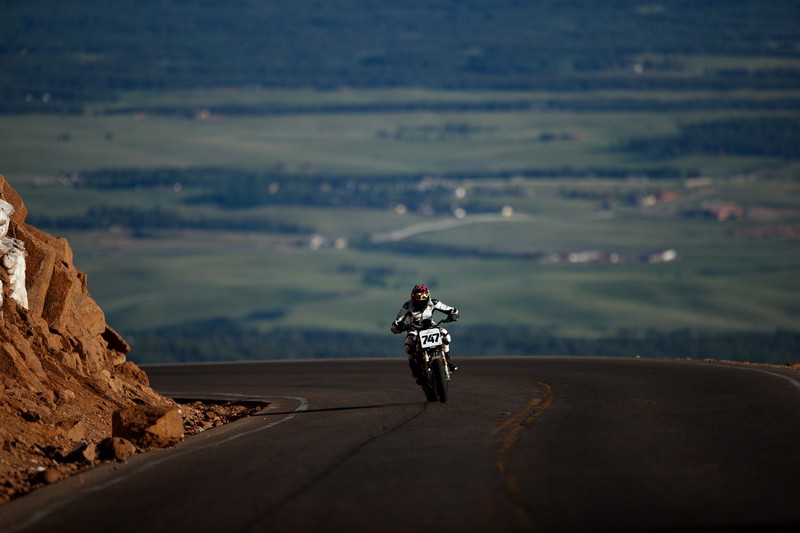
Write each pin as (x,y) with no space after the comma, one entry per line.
(262,180)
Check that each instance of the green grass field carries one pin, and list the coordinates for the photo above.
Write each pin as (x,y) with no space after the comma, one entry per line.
(725,278)
(358,143)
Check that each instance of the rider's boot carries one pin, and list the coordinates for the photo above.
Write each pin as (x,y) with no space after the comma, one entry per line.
(450,364)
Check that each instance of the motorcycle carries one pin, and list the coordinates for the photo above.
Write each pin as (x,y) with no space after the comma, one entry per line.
(434,371)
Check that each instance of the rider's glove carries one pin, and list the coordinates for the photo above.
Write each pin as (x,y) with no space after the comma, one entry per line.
(398,328)
(454,315)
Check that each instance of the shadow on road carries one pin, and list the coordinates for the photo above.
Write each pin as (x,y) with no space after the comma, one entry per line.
(342,408)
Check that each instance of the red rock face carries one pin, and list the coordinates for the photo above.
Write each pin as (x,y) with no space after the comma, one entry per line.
(60,364)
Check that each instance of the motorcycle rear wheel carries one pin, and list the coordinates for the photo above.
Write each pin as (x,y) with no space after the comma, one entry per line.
(430,393)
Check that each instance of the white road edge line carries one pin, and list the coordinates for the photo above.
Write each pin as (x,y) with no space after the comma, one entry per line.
(776,374)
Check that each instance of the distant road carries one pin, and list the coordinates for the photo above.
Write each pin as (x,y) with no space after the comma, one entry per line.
(524,444)
(442,224)
(451,223)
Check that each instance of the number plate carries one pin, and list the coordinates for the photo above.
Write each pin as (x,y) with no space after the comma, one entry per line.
(430,338)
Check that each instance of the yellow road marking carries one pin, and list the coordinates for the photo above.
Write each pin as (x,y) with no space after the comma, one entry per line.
(515,426)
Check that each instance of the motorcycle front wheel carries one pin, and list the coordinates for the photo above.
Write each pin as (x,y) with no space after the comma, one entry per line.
(440,379)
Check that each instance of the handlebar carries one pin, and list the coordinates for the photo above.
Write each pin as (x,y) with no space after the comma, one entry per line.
(433,324)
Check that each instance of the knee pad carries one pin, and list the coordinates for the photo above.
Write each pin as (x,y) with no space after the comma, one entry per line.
(445,341)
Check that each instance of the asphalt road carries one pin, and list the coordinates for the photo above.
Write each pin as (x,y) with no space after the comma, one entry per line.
(524,444)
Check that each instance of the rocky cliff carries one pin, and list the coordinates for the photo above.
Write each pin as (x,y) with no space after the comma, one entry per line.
(63,370)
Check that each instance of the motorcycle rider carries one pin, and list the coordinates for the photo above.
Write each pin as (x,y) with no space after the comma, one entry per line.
(409,319)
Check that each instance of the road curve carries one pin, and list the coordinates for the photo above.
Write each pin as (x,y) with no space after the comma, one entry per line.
(524,444)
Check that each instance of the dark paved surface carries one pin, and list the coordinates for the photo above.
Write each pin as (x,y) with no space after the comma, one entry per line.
(542,444)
